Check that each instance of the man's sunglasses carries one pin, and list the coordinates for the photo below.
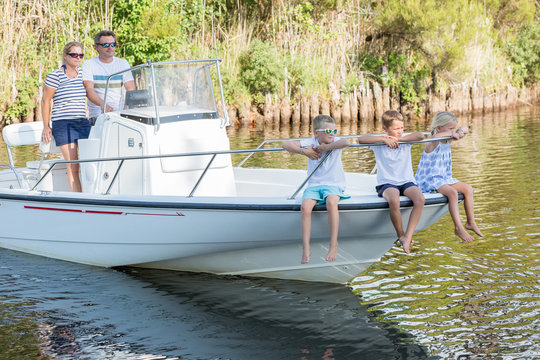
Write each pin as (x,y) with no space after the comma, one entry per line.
(106,45)
(75,55)
(328,131)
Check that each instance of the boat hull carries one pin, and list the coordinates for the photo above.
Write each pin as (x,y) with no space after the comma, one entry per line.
(216,235)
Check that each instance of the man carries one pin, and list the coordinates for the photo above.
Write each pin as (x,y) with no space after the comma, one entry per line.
(96,71)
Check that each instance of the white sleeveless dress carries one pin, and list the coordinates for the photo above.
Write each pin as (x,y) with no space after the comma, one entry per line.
(435,169)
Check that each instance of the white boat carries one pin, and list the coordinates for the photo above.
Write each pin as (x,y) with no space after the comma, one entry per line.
(160,191)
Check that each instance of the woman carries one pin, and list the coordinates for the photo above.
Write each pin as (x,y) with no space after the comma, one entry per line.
(68,122)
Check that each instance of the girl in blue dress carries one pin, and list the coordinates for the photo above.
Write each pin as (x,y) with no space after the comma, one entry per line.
(434,173)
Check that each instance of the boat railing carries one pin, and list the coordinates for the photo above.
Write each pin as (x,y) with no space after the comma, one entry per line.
(267,141)
(213,155)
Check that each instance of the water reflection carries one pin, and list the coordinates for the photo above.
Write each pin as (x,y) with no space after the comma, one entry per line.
(85,312)
(470,300)
(479,299)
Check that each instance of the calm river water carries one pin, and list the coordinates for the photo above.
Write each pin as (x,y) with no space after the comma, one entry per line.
(447,299)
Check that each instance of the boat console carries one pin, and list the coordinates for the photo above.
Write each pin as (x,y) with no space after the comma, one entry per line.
(172,111)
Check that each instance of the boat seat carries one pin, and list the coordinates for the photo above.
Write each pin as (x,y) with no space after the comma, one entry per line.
(28,134)
(43,164)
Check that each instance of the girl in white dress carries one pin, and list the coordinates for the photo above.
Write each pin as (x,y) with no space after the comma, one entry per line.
(434,173)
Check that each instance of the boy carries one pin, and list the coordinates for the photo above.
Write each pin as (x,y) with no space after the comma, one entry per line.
(326,185)
(395,174)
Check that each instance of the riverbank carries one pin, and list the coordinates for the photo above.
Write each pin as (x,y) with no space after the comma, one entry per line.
(367,103)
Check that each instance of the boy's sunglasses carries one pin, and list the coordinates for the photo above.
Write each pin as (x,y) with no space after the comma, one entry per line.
(75,55)
(328,131)
(106,45)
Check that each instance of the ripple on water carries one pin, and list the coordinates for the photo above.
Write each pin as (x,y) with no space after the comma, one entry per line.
(480,298)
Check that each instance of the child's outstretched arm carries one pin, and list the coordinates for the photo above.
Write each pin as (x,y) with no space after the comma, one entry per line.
(340,144)
(391,141)
(295,148)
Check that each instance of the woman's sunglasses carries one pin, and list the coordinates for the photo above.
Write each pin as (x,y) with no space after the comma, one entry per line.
(328,131)
(106,45)
(75,55)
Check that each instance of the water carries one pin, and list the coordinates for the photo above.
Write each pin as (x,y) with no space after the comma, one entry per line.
(447,299)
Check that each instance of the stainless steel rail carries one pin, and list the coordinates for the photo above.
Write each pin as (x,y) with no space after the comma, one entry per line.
(214,154)
(266,141)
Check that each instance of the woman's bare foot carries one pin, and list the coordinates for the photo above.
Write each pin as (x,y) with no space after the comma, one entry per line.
(405,244)
(305,256)
(474,227)
(463,235)
(332,253)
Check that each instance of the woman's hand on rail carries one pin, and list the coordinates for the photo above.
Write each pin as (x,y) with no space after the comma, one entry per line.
(46,134)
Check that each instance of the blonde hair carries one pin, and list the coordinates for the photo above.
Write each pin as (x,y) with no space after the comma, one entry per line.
(442,118)
(68,47)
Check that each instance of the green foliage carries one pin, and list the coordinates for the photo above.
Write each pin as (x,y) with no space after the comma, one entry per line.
(404,75)
(298,74)
(508,15)
(144,30)
(436,31)
(233,88)
(407,77)
(27,89)
(260,70)
(524,54)
(372,64)
(351,82)
(156,28)
(313,42)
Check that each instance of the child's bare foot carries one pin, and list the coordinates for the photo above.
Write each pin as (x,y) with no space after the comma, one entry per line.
(474,227)
(306,254)
(405,243)
(332,253)
(463,235)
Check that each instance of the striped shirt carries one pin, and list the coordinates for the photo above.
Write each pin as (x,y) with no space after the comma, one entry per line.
(97,72)
(70,96)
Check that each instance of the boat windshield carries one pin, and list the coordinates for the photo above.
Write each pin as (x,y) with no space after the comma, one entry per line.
(167,92)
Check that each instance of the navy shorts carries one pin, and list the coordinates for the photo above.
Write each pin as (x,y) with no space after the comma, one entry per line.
(380,188)
(70,131)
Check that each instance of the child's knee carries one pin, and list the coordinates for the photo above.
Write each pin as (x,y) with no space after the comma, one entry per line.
(452,194)
(467,190)
(307,210)
(418,199)
(307,207)
(332,200)
(393,201)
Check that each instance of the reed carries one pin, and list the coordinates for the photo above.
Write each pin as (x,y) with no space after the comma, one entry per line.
(320,46)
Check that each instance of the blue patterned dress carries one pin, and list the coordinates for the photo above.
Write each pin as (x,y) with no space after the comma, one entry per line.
(435,168)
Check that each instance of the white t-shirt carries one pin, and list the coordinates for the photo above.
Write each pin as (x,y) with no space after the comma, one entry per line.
(394,166)
(331,171)
(96,71)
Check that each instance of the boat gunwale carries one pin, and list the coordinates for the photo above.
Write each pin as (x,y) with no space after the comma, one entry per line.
(106,201)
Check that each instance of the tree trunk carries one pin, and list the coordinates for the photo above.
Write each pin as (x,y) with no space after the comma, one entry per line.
(268,114)
(378,103)
(285,112)
(304,113)
(314,106)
